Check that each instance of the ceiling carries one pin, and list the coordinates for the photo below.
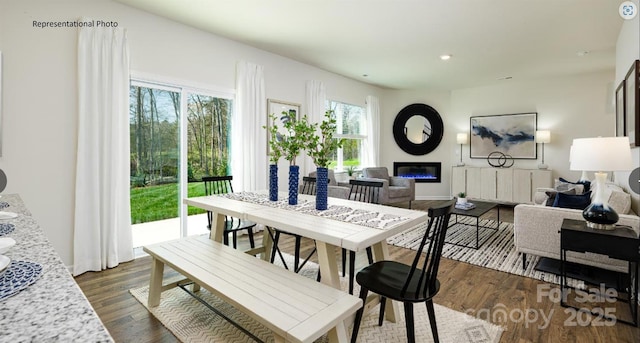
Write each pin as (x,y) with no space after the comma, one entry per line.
(397,43)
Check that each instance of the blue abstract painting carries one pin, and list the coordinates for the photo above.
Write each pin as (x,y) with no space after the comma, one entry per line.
(510,134)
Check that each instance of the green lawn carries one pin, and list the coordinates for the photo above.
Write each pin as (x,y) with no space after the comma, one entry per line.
(160,202)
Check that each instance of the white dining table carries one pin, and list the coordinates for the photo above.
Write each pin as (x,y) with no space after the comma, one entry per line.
(345,224)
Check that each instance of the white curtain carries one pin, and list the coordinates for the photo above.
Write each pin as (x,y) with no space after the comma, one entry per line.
(372,146)
(316,97)
(102,225)
(249,162)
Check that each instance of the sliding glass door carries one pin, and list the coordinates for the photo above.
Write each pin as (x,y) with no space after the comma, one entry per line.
(170,153)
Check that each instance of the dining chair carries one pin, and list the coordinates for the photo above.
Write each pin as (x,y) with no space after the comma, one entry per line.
(363,191)
(409,284)
(308,187)
(222,185)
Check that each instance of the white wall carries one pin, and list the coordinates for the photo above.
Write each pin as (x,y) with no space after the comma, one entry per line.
(40,102)
(627,51)
(570,107)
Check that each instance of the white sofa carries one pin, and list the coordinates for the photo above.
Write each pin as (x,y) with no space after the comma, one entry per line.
(537,231)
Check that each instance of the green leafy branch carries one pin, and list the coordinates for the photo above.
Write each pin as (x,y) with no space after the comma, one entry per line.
(321,147)
(275,147)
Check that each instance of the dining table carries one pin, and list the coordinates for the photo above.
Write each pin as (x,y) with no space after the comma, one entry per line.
(344,224)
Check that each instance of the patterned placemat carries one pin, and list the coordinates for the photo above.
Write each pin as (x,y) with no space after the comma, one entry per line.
(3,204)
(373,219)
(6,229)
(18,276)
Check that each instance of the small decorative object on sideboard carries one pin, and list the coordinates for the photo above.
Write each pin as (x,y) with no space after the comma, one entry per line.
(350,171)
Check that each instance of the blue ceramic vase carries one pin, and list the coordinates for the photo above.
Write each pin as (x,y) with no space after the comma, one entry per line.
(294,172)
(273,182)
(322,177)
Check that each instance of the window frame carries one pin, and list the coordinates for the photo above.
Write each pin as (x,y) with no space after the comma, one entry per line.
(340,167)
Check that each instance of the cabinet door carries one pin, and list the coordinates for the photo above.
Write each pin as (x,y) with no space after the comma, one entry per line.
(488,187)
(458,180)
(474,182)
(522,186)
(504,185)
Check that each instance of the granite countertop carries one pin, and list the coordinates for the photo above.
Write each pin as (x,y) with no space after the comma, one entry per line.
(53,309)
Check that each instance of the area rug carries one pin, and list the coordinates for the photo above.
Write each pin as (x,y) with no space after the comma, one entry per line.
(191,321)
(497,250)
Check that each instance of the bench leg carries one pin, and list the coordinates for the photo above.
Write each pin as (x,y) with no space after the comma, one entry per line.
(338,333)
(155,284)
(278,338)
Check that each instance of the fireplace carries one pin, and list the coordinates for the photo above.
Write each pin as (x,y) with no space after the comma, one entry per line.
(420,171)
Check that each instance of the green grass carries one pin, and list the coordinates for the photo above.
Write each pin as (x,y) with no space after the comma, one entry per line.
(161,202)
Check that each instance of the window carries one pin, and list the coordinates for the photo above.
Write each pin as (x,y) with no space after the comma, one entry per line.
(170,153)
(351,121)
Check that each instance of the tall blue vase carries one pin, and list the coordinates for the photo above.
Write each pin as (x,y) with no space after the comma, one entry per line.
(294,172)
(322,177)
(273,182)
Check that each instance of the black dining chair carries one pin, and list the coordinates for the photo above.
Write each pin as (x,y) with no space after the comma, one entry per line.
(409,284)
(363,191)
(222,185)
(308,187)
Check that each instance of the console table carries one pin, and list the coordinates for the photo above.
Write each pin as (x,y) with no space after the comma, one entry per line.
(53,309)
(620,243)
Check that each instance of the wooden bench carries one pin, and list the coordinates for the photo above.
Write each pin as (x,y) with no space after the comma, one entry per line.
(294,308)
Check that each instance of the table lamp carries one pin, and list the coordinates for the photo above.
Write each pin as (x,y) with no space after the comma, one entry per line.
(543,136)
(461,138)
(599,155)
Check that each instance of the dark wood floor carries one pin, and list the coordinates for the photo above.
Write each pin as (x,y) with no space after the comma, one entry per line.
(464,288)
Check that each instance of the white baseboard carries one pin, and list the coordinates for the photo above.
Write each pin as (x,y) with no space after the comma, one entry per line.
(433,197)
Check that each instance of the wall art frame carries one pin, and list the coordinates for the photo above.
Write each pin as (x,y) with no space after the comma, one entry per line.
(510,134)
(632,104)
(277,107)
(620,109)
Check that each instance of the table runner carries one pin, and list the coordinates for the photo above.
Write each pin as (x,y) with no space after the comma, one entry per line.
(372,219)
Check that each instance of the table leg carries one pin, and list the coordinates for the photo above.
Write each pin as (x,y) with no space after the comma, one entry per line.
(218,227)
(380,253)
(155,283)
(328,264)
(267,243)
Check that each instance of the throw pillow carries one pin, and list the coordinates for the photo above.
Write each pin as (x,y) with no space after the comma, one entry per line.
(577,202)
(585,183)
(551,195)
(565,186)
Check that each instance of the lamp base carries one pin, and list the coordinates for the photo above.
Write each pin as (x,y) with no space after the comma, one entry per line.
(605,227)
(543,166)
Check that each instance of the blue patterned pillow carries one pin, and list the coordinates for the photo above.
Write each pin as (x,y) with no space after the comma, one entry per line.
(585,183)
(577,202)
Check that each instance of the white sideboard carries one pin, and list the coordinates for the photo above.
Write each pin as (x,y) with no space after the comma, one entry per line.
(508,185)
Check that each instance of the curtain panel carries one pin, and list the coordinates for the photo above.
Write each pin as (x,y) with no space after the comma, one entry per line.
(316,98)
(249,162)
(102,219)
(372,146)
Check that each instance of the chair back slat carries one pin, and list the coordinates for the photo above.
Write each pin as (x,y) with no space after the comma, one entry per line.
(308,185)
(365,191)
(431,244)
(217,184)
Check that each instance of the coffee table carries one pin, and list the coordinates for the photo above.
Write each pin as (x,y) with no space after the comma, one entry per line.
(481,209)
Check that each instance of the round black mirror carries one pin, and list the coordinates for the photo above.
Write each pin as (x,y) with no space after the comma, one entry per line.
(418,129)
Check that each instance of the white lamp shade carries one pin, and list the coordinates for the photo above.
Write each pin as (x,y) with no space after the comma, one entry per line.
(543,136)
(601,154)
(461,138)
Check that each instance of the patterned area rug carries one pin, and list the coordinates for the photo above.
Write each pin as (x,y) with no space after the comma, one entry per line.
(191,321)
(497,250)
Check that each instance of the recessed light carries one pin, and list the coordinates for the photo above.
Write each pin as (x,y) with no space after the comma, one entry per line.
(505,78)
(582,53)
(445,57)
(365,75)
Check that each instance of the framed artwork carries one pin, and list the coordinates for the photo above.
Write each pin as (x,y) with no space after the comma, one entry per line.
(510,134)
(632,104)
(277,107)
(620,113)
